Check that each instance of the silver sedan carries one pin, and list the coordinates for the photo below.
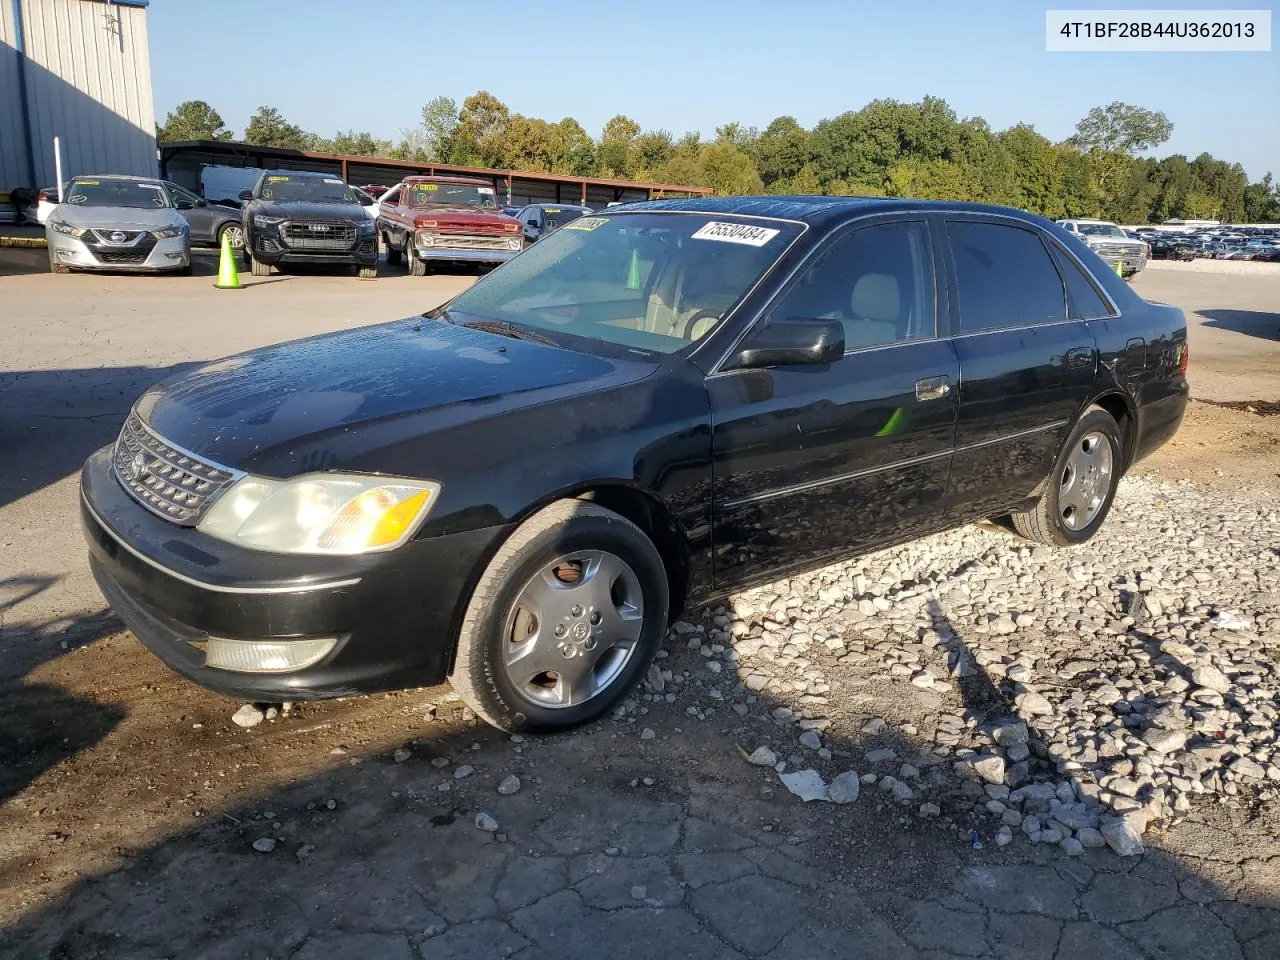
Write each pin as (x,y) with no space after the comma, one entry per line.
(117,223)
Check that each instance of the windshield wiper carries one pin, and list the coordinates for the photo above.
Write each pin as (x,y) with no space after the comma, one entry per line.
(504,329)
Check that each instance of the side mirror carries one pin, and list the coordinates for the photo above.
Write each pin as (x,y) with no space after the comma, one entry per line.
(795,340)
(365,200)
(246,194)
(184,205)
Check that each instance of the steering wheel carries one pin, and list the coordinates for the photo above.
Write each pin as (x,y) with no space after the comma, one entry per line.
(686,332)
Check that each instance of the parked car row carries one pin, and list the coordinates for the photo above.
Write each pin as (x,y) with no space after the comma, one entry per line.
(1214,243)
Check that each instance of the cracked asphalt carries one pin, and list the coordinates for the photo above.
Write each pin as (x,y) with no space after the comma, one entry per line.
(130,805)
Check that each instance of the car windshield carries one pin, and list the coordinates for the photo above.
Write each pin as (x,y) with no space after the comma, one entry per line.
(454,194)
(553,217)
(282,187)
(88,192)
(1101,230)
(648,280)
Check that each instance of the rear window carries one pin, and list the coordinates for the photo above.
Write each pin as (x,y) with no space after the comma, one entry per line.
(1083,300)
(1004,277)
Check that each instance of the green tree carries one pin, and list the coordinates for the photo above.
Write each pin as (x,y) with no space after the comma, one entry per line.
(570,150)
(652,149)
(439,127)
(933,180)
(981,163)
(614,156)
(267,128)
(781,152)
(482,127)
(729,171)
(526,144)
(359,144)
(193,120)
(1262,201)
(1122,128)
(1037,171)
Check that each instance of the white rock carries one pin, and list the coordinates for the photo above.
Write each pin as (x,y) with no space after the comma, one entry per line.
(844,788)
(1122,837)
(647,734)
(264,844)
(805,784)
(1211,678)
(811,740)
(247,716)
(990,768)
(1071,846)
(510,784)
(1090,837)
(1032,704)
(762,756)
(1004,837)
(1165,741)
(486,823)
(401,755)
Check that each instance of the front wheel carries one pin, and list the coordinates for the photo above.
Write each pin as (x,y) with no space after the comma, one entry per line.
(367,273)
(565,620)
(258,268)
(417,266)
(1079,493)
(394,256)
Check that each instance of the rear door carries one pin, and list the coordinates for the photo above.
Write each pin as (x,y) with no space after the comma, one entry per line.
(815,462)
(1026,367)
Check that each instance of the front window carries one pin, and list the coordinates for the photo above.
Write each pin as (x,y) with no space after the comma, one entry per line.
(654,281)
(451,194)
(91,192)
(288,188)
(1102,230)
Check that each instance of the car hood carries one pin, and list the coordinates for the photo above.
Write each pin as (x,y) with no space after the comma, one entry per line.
(118,218)
(332,401)
(456,213)
(320,211)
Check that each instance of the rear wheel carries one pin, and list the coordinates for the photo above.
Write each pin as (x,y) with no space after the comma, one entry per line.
(234,232)
(564,621)
(1079,493)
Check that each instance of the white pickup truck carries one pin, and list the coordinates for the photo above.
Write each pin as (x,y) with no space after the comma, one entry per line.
(1112,244)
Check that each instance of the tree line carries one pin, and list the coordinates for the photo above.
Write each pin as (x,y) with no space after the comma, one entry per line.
(886,148)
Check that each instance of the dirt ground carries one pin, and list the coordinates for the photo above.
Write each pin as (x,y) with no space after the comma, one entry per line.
(114,773)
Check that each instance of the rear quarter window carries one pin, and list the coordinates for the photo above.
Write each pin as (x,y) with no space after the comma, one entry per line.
(1083,300)
(1004,277)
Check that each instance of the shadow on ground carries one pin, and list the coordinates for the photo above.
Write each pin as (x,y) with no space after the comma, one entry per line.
(51,420)
(1255,323)
(647,835)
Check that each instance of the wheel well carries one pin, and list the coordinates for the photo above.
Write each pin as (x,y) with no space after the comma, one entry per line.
(1118,407)
(651,516)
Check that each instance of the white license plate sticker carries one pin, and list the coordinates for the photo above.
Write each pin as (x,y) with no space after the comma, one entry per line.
(744,233)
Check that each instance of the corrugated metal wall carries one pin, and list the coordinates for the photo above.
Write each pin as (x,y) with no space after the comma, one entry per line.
(88,77)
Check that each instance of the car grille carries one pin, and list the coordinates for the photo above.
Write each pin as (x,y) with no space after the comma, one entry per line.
(117,238)
(1118,249)
(167,481)
(106,257)
(316,235)
(467,241)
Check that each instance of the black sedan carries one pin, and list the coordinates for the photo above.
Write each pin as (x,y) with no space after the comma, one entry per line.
(540,219)
(652,407)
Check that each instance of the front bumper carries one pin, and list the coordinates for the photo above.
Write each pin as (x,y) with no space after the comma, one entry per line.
(148,256)
(468,256)
(395,614)
(272,250)
(1129,264)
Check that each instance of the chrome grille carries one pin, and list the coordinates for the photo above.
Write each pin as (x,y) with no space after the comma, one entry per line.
(1118,249)
(465,241)
(317,235)
(167,481)
(106,257)
(117,238)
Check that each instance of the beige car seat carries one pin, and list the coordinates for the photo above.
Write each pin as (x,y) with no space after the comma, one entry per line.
(873,311)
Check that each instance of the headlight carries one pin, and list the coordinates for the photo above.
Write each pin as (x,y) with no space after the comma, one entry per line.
(425,238)
(366,227)
(329,513)
(168,232)
(61,227)
(261,221)
(514,243)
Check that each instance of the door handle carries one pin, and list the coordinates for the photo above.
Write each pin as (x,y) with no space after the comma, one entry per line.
(1079,356)
(932,388)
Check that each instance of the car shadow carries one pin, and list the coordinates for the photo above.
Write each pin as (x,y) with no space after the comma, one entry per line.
(645,834)
(1255,323)
(51,420)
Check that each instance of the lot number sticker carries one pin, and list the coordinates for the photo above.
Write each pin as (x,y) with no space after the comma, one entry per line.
(735,233)
(585,223)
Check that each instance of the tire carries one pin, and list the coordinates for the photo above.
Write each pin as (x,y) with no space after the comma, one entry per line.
(258,268)
(367,273)
(1073,506)
(567,535)
(236,231)
(394,256)
(417,266)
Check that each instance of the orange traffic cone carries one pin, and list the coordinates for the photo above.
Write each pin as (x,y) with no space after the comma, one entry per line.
(228,275)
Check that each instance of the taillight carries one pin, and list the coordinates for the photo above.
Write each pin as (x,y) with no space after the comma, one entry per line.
(43,197)
(1184,358)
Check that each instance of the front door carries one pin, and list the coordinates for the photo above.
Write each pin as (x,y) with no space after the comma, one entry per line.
(814,462)
(1026,368)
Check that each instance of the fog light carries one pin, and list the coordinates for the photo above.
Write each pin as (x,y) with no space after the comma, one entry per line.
(175,256)
(266,656)
(67,254)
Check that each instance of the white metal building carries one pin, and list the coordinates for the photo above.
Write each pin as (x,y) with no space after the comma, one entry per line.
(78,70)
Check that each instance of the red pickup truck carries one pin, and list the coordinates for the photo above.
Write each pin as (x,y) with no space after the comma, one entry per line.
(446,218)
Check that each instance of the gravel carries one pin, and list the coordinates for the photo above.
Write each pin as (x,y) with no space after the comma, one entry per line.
(250,715)
(1100,689)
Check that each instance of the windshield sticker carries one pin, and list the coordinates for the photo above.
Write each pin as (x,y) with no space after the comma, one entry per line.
(587,223)
(488,190)
(276,179)
(331,180)
(744,233)
(88,183)
(550,209)
(426,186)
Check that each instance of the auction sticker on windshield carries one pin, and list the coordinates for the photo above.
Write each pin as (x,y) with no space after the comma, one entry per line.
(744,233)
(585,223)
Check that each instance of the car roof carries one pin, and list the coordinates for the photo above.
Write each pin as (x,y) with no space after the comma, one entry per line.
(114,176)
(816,211)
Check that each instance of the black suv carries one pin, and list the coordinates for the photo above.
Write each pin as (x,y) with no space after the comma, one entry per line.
(292,216)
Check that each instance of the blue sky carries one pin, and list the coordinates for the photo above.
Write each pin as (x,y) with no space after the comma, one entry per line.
(695,64)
